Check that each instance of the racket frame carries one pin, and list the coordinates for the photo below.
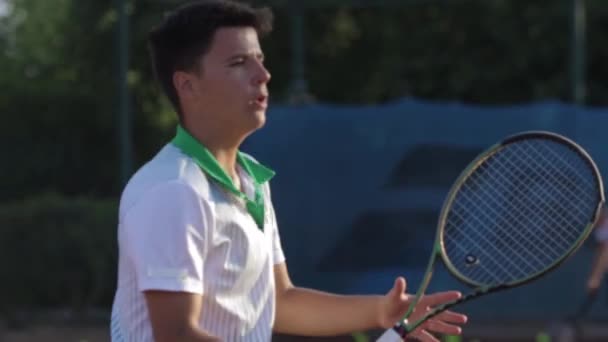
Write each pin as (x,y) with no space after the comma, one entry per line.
(404,327)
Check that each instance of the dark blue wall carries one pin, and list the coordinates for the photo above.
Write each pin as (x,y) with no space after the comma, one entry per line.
(358,191)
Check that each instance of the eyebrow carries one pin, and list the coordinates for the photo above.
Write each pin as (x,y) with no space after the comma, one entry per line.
(259,55)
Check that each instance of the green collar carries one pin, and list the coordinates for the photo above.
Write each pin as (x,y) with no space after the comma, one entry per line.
(207,162)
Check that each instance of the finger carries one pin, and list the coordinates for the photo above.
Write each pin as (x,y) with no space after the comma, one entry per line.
(452,317)
(440,298)
(422,336)
(398,288)
(400,285)
(440,327)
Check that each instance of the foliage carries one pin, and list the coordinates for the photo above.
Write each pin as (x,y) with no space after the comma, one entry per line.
(58,251)
(58,94)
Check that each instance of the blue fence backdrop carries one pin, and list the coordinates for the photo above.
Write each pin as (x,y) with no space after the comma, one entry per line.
(358,191)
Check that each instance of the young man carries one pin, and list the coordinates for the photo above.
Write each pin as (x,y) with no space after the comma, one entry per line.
(200,253)
(600,264)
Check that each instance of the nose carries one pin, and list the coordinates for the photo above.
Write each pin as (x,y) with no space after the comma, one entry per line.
(262,75)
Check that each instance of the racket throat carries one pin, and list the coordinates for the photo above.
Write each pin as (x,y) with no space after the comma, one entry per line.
(439,309)
(428,274)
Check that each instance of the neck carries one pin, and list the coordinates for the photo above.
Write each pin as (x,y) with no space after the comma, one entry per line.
(220,145)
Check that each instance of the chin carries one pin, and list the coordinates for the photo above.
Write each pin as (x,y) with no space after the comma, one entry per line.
(253,122)
(260,118)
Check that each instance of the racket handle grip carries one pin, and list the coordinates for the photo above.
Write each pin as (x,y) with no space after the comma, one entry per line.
(390,335)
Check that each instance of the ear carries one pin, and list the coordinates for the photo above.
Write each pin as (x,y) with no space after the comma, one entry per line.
(184,84)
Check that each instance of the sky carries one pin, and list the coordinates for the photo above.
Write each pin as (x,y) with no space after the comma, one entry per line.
(3,7)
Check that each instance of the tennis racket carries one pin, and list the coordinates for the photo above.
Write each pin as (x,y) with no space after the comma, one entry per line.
(515,213)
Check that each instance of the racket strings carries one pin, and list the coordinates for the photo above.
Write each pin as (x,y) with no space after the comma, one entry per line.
(492,197)
(532,205)
(519,212)
(489,249)
(540,186)
(571,170)
(517,215)
(492,268)
(578,169)
(494,219)
(522,244)
(558,218)
(577,197)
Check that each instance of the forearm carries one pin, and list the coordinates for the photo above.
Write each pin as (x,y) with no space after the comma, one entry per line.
(601,262)
(313,313)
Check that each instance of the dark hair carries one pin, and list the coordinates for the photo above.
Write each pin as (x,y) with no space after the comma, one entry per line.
(186,34)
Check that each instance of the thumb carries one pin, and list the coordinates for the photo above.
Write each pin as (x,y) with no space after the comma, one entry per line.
(398,288)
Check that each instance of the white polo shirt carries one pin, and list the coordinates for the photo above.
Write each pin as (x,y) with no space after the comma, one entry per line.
(178,231)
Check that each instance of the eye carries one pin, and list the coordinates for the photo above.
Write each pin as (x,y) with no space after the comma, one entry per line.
(237,62)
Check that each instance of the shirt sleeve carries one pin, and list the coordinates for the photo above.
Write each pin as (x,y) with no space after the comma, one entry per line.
(164,237)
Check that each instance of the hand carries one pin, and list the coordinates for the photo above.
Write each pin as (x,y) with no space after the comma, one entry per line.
(396,303)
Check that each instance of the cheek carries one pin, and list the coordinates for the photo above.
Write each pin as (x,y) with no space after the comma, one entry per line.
(230,84)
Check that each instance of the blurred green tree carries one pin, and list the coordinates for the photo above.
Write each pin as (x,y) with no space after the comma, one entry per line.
(58,83)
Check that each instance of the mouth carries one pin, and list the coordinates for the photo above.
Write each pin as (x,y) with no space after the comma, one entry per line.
(261,101)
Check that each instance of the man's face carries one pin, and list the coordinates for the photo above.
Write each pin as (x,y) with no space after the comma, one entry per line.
(231,89)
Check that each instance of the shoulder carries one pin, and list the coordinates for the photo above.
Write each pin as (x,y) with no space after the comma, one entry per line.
(170,175)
